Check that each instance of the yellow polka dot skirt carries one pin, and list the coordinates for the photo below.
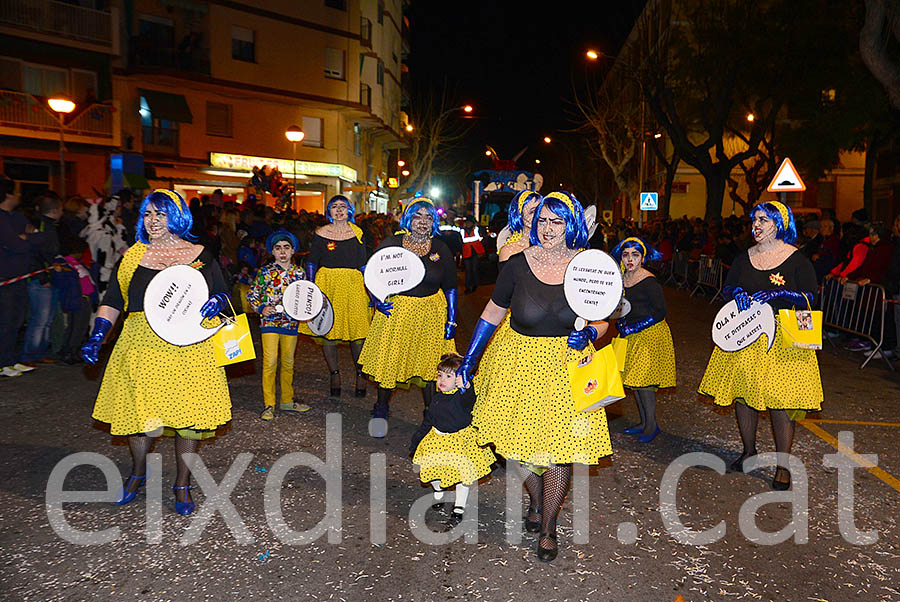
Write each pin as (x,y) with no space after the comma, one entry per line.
(452,458)
(345,290)
(406,348)
(150,383)
(782,379)
(650,358)
(525,406)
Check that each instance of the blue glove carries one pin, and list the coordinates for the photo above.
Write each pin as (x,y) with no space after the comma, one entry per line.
(214,305)
(91,350)
(797,298)
(740,296)
(627,329)
(311,269)
(384,307)
(579,339)
(450,329)
(483,332)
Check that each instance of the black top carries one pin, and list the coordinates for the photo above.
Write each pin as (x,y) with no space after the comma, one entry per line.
(646,298)
(142,277)
(448,413)
(795,273)
(440,268)
(327,253)
(536,309)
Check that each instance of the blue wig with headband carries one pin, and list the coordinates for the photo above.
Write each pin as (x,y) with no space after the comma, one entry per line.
(633,242)
(567,207)
(517,205)
(179,220)
(278,236)
(335,199)
(413,207)
(781,216)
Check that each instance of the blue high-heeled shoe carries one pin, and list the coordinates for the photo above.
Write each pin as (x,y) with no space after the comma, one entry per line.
(650,437)
(127,496)
(634,430)
(183,508)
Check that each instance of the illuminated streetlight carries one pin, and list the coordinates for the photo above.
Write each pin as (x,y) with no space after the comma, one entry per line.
(751,117)
(401,163)
(294,135)
(435,192)
(537,161)
(547,139)
(404,173)
(409,127)
(61,106)
(657,135)
(487,153)
(468,108)
(592,55)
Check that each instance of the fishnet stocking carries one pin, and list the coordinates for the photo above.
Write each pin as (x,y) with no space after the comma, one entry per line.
(556,485)
(183,446)
(140,446)
(534,486)
(783,432)
(747,419)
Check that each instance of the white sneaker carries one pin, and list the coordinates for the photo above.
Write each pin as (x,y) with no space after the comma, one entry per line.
(22,368)
(10,371)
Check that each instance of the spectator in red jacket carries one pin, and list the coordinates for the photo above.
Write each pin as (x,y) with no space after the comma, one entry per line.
(878,257)
(471,251)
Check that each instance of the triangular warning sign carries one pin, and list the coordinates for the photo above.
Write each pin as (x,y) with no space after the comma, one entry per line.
(786,179)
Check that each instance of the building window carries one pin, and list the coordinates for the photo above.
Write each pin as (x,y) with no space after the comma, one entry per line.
(380,75)
(158,134)
(338,4)
(380,12)
(45,81)
(334,63)
(218,119)
(357,140)
(243,45)
(312,127)
(84,86)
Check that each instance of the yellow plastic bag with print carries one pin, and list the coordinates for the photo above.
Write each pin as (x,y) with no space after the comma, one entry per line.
(233,343)
(801,328)
(595,380)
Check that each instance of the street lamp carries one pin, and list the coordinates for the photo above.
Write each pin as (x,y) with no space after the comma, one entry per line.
(435,192)
(405,173)
(409,127)
(592,55)
(547,139)
(401,163)
(487,153)
(61,106)
(294,135)
(537,161)
(468,108)
(751,117)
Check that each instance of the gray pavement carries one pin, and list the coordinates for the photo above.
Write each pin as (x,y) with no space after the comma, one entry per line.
(46,417)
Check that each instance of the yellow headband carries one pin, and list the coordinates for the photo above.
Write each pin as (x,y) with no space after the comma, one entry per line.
(173,196)
(638,241)
(561,197)
(421,199)
(523,200)
(785,215)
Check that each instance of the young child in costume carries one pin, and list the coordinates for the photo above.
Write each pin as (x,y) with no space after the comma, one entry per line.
(444,446)
(279,330)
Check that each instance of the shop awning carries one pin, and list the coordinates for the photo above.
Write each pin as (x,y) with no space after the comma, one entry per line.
(163,105)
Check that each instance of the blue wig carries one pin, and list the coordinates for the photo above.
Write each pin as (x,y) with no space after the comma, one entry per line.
(278,236)
(335,199)
(633,242)
(179,220)
(576,227)
(783,231)
(412,208)
(516,205)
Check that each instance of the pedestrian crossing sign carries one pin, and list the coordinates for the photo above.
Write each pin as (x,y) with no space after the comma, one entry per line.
(649,201)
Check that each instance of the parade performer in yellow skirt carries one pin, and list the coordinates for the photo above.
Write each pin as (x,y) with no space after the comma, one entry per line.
(151,387)
(650,355)
(784,380)
(411,331)
(445,445)
(336,262)
(525,406)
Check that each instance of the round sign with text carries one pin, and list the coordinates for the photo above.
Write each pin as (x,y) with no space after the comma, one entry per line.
(733,330)
(172,305)
(593,285)
(302,300)
(323,322)
(393,270)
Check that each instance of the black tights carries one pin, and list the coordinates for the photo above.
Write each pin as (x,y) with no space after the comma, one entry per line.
(140,446)
(384,395)
(646,403)
(331,359)
(535,487)
(782,431)
(555,486)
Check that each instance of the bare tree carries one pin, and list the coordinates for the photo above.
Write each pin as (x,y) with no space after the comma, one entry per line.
(880,28)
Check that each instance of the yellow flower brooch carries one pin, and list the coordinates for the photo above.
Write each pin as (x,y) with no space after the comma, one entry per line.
(777,279)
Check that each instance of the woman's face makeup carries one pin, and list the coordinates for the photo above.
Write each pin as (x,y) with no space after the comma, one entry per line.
(421,222)
(551,229)
(762,226)
(155,222)
(339,211)
(631,259)
(528,214)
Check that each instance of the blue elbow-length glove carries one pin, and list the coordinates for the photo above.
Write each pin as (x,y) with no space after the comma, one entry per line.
(740,297)
(797,298)
(450,329)
(311,270)
(214,305)
(483,332)
(91,350)
(579,339)
(626,329)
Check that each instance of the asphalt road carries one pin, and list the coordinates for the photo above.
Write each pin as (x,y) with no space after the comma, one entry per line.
(629,554)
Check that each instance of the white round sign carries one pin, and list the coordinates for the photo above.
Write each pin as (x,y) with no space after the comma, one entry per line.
(503,236)
(302,300)
(590,219)
(622,310)
(733,330)
(393,270)
(593,285)
(172,305)
(322,323)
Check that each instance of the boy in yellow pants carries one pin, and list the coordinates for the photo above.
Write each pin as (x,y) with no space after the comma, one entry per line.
(279,330)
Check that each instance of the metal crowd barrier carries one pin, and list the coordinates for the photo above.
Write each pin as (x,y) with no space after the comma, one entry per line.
(858,310)
(709,275)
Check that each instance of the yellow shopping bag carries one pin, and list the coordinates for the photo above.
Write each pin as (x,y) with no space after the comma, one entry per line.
(233,342)
(620,347)
(595,380)
(801,328)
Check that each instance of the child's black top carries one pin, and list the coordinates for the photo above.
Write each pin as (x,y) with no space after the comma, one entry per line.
(796,273)
(327,253)
(448,413)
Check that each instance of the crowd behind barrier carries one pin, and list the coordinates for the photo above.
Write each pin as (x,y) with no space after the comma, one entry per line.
(857,310)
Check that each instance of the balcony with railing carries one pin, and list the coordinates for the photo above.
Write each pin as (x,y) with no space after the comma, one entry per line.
(27,116)
(60,21)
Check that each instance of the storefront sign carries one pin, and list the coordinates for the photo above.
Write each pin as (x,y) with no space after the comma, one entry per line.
(285,166)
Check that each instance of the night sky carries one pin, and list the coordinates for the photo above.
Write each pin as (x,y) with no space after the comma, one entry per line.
(514,61)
